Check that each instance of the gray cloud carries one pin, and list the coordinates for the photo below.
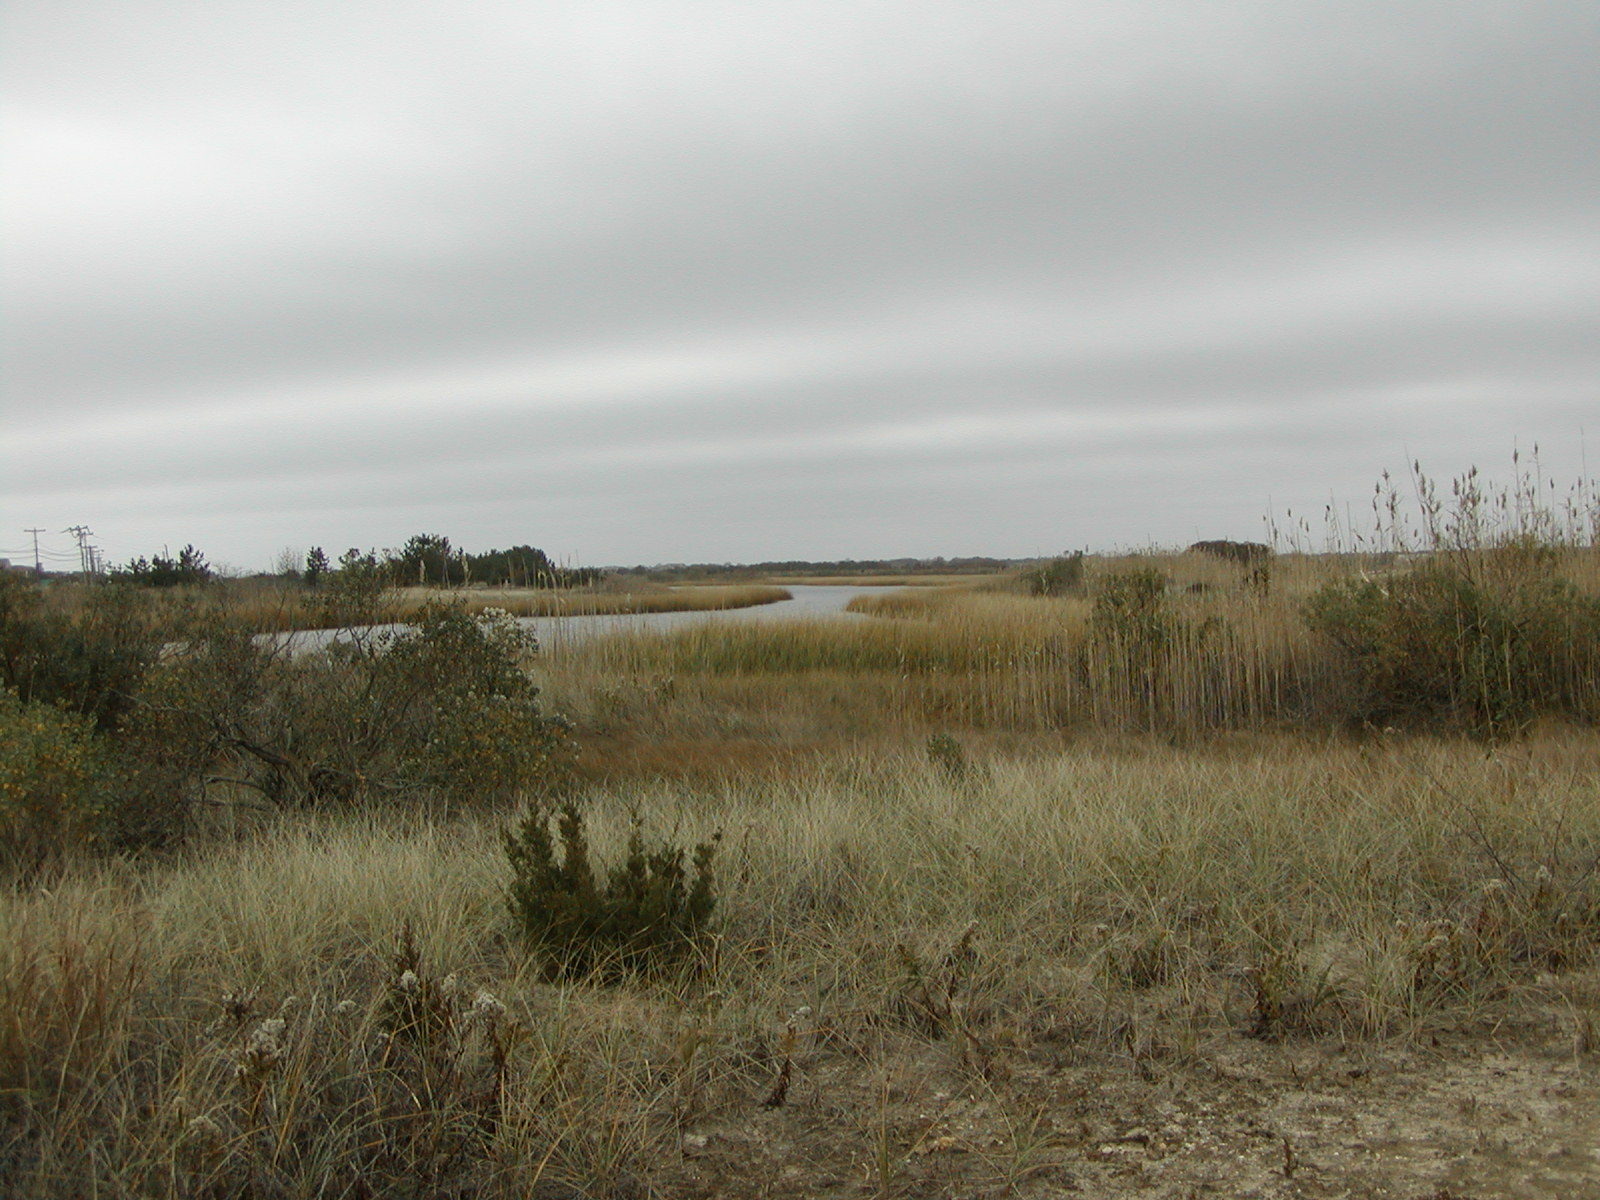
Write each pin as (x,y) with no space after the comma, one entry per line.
(672,282)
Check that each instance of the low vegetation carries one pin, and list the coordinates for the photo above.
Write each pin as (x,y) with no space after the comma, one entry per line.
(1122,883)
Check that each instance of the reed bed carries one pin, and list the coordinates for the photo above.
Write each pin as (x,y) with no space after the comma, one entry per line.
(575,602)
(996,661)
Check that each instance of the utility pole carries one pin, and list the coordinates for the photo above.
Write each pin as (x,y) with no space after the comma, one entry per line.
(38,569)
(85,552)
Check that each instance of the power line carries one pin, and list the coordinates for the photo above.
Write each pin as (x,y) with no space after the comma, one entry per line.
(46,555)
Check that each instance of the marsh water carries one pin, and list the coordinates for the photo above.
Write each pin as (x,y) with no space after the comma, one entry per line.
(809,601)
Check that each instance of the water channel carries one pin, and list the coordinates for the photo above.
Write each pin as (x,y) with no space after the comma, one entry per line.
(811,601)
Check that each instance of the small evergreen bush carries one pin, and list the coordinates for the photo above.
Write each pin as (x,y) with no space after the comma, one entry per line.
(946,754)
(649,912)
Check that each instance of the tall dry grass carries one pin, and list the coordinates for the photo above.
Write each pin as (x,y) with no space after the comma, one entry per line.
(972,658)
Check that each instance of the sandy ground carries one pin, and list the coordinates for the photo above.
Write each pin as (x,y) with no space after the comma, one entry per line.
(1494,1114)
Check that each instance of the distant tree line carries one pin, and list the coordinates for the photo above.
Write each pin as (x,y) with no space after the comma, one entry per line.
(426,558)
(847,566)
(160,570)
(429,558)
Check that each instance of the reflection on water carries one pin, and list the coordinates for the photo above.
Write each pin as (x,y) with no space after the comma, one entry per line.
(810,601)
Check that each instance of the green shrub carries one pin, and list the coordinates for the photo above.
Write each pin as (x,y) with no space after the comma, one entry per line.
(484,749)
(448,649)
(83,649)
(1130,608)
(352,596)
(477,734)
(1060,576)
(1484,641)
(54,794)
(78,660)
(648,913)
(441,710)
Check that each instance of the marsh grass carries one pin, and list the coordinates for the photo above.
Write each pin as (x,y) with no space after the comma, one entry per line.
(983,659)
(1214,649)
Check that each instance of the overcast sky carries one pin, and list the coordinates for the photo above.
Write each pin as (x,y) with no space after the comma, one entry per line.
(644,282)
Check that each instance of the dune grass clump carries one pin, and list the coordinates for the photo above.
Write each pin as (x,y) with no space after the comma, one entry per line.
(291,1014)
